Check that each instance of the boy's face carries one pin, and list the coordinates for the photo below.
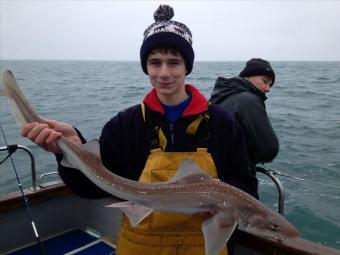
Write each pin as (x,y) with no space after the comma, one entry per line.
(167,72)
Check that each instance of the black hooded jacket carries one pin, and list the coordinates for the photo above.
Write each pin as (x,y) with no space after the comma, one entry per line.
(247,103)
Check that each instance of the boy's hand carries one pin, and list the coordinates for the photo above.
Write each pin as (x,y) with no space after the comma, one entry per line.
(46,134)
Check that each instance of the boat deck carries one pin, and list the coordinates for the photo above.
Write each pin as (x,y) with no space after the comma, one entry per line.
(75,241)
(72,225)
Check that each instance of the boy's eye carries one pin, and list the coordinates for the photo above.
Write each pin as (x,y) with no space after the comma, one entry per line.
(173,63)
(154,62)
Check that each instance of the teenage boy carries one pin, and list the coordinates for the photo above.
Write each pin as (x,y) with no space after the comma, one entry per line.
(148,141)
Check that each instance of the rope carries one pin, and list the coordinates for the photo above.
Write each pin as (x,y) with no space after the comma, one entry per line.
(11,150)
(2,161)
(301,179)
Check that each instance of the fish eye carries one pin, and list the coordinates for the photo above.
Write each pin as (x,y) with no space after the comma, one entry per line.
(273,226)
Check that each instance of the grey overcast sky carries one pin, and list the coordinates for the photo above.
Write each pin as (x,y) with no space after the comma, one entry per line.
(222,30)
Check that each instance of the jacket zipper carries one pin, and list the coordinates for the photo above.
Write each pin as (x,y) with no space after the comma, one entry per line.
(172,136)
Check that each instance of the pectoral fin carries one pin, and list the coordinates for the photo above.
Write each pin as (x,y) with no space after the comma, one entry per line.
(136,213)
(215,236)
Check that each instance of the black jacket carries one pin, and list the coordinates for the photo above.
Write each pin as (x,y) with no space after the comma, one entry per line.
(247,103)
(124,144)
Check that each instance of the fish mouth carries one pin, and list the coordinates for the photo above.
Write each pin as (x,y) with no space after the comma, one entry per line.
(275,235)
(276,238)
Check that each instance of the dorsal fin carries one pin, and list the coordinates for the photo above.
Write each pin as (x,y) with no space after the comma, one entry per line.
(92,146)
(189,171)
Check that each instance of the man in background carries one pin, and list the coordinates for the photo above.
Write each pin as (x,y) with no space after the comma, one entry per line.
(245,96)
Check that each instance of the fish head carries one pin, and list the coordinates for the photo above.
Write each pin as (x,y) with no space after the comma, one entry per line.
(272,225)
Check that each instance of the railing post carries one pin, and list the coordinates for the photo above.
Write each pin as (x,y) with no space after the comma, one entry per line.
(24,148)
(279,187)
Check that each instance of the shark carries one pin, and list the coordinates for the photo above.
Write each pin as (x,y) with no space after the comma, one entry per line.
(191,190)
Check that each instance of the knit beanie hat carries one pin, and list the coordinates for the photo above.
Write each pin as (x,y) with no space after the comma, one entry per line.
(258,66)
(167,33)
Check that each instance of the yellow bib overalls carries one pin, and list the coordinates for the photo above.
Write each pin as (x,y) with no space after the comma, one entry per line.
(166,233)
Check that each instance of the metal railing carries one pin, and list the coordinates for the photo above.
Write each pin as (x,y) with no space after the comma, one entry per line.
(270,174)
(12,148)
(35,186)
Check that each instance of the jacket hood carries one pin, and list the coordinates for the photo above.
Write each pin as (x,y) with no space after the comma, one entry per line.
(227,87)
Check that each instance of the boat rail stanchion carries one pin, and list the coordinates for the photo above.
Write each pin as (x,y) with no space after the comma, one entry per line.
(48,174)
(12,148)
(270,174)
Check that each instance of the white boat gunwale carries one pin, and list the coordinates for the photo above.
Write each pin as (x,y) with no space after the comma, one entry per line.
(76,212)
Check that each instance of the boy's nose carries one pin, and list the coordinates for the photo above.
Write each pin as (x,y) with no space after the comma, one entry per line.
(164,71)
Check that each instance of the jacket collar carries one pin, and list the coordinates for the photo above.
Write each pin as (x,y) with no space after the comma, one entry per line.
(227,87)
(197,105)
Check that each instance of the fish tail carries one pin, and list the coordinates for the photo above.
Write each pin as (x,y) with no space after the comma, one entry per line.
(3,91)
(21,108)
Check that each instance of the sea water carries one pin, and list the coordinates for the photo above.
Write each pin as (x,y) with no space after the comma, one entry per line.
(303,106)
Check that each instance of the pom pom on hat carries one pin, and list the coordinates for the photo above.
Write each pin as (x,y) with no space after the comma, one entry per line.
(163,13)
(167,33)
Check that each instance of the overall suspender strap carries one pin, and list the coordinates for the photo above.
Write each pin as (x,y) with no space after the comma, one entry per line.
(199,128)
(157,139)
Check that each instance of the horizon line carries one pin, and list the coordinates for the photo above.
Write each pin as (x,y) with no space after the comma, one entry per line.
(118,60)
